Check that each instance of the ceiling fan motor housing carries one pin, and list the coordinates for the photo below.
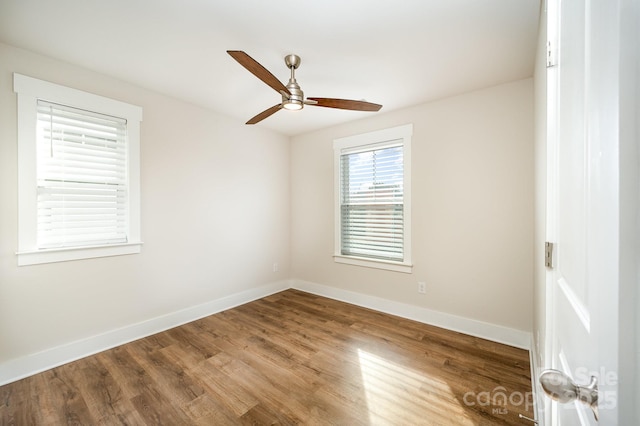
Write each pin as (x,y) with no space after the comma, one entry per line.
(296,93)
(296,99)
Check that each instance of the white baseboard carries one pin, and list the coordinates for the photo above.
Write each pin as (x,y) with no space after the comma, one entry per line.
(500,334)
(19,368)
(22,367)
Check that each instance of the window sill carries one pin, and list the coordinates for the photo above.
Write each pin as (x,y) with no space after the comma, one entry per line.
(75,253)
(403,267)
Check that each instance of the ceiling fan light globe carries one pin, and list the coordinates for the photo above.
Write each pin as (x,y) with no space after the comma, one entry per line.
(292,105)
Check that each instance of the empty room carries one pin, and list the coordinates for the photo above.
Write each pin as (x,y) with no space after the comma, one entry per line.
(190,234)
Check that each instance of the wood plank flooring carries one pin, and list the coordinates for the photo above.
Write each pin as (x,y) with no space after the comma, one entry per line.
(290,358)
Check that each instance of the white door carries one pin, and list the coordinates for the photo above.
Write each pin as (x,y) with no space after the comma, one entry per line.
(582,147)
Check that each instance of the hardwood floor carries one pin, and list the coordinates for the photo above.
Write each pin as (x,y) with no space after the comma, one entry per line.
(290,358)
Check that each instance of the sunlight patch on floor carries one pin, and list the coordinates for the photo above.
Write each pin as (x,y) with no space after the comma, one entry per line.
(395,393)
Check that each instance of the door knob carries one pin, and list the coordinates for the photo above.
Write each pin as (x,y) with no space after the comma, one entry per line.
(559,387)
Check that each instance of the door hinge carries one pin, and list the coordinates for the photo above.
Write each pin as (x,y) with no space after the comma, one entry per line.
(548,255)
(551,54)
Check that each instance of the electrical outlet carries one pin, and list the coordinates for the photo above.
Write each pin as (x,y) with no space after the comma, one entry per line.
(275,267)
(422,287)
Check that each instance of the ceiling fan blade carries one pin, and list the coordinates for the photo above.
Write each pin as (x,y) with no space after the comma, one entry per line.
(264,114)
(258,70)
(346,104)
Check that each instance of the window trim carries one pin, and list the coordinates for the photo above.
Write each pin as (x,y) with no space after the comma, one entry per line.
(363,142)
(29,90)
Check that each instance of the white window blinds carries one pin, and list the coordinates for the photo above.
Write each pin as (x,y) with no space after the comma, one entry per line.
(372,210)
(81,176)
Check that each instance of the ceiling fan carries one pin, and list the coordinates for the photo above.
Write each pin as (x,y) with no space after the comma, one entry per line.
(292,95)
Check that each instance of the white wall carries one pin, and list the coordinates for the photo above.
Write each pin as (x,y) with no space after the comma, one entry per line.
(215,217)
(472,207)
(221,202)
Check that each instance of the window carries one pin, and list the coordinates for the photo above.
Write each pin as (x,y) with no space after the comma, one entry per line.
(78,174)
(373,199)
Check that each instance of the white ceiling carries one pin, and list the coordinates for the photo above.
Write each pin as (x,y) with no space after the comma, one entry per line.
(394,52)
